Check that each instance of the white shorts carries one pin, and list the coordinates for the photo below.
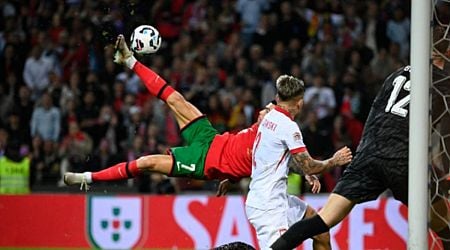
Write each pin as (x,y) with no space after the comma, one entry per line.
(271,224)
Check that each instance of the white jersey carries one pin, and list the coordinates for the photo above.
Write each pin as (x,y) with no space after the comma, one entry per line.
(271,224)
(278,137)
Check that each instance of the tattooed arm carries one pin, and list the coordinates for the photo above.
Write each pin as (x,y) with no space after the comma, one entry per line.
(303,163)
(292,164)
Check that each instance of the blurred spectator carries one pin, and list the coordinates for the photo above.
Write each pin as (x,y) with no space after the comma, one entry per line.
(398,31)
(359,53)
(92,84)
(108,75)
(216,75)
(71,90)
(46,120)
(136,150)
(171,131)
(265,32)
(118,95)
(226,19)
(250,12)
(255,63)
(243,113)
(16,131)
(281,57)
(290,24)
(135,125)
(159,183)
(233,51)
(104,156)
(351,102)
(55,89)
(74,57)
(69,114)
(36,72)
(268,92)
(340,135)
(349,110)
(3,140)
(131,80)
(56,28)
(382,65)
(45,164)
(216,114)
(7,92)
(320,99)
(317,137)
(314,62)
(333,53)
(93,51)
(352,25)
(74,150)
(14,170)
(294,50)
(109,126)
(215,47)
(194,17)
(167,16)
(395,54)
(200,88)
(375,28)
(24,106)
(87,114)
(11,63)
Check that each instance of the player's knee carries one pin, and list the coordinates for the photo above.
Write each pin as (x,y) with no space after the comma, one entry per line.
(175,99)
(147,163)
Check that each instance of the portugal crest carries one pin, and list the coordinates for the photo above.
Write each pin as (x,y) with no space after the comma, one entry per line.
(115,222)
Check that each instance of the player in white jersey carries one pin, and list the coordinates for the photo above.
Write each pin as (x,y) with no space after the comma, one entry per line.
(268,206)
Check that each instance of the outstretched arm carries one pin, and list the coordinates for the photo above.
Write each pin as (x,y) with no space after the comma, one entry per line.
(304,163)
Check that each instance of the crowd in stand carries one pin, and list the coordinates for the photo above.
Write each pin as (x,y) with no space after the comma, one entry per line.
(70,108)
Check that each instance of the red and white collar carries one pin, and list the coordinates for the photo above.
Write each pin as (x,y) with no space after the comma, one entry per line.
(283,111)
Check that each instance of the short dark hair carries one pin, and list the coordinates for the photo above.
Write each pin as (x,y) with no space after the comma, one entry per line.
(235,246)
(289,87)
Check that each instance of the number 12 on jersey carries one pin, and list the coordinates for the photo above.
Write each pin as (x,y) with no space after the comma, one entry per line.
(398,107)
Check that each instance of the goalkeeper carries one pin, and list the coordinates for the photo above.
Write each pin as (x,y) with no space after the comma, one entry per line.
(381,160)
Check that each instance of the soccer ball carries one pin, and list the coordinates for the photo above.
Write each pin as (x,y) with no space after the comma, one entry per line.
(145,39)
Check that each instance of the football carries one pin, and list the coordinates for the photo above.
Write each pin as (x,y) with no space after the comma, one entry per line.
(145,39)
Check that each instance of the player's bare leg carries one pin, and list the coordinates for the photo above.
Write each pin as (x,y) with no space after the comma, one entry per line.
(184,111)
(321,241)
(122,171)
(335,209)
